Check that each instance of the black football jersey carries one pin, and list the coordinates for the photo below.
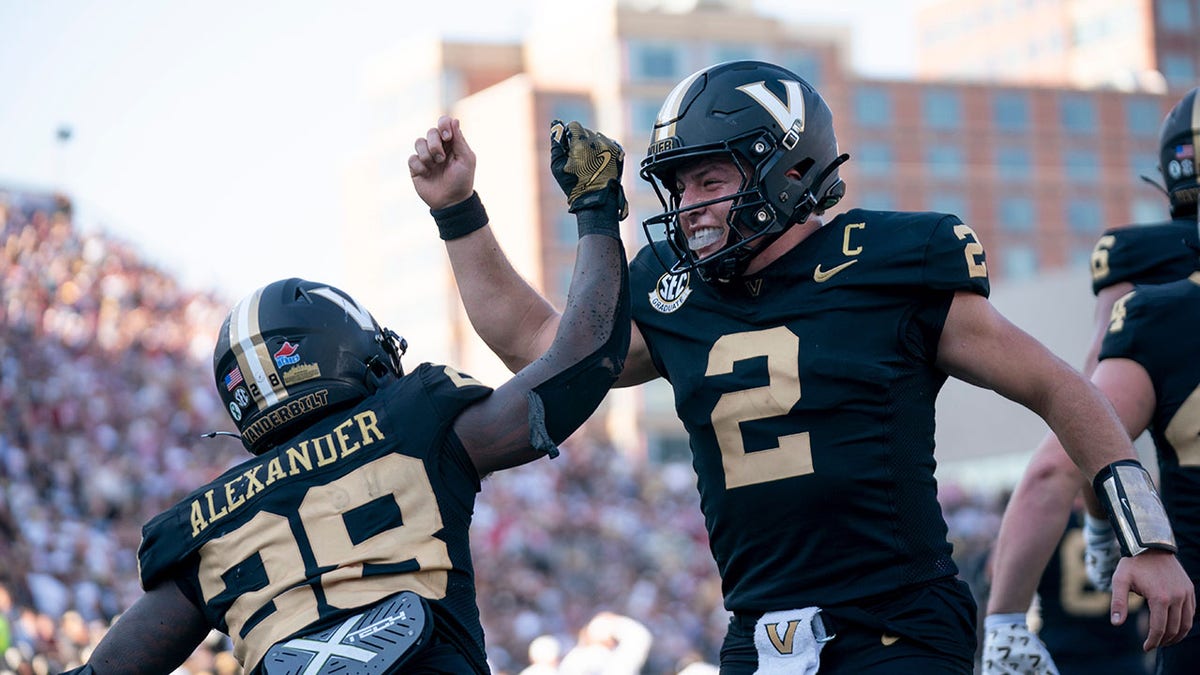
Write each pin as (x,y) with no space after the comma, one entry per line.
(1145,254)
(1159,327)
(808,392)
(371,501)
(1075,615)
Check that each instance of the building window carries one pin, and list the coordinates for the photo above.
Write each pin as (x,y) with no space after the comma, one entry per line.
(878,200)
(575,109)
(1010,111)
(1081,166)
(949,202)
(1179,70)
(944,161)
(1013,162)
(1143,164)
(805,64)
(1016,215)
(873,106)
(1175,15)
(1142,116)
(1020,262)
(643,113)
(1077,114)
(942,109)
(873,158)
(1085,216)
(734,51)
(655,61)
(1148,210)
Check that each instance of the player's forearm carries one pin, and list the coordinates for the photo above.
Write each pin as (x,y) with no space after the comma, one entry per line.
(1033,522)
(1083,420)
(511,317)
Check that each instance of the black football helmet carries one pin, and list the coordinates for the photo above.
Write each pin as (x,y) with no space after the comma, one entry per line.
(294,351)
(768,120)
(1179,139)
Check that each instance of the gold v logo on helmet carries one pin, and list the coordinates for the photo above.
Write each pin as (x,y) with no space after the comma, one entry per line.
(786,113)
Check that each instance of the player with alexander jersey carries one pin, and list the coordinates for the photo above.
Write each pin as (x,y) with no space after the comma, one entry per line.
(342,546)
(805,357)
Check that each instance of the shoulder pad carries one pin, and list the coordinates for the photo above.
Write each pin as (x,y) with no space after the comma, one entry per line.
(923,249)
(1145,254)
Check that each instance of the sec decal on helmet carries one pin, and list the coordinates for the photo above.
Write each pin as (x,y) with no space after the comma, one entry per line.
(294,351)
(1178,139)
(769,122)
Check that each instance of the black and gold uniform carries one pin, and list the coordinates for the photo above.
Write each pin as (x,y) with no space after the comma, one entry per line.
(1159,328)
(808,392)
(1075,617)
(366,503)
(1155,253)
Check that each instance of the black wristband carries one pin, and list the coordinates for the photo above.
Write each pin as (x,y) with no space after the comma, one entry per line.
(461,219)
(598,220)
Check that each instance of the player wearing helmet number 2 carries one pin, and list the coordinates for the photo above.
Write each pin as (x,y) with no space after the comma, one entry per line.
(342,545)
(805,357)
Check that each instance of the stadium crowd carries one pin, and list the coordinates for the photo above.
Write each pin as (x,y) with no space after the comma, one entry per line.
(105,388)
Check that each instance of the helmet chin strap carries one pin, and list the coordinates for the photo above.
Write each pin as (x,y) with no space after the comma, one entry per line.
(1156,184)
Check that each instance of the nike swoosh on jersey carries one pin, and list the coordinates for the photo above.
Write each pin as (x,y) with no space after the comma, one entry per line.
(820,275)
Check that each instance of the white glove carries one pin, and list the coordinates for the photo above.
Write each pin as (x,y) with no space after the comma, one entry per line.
(1009,648)
(1101,552)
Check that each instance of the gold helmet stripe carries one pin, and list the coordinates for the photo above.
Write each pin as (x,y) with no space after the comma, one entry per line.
(670,107)
(253,357)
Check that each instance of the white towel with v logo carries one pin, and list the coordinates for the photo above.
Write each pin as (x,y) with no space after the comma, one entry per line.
(788,643)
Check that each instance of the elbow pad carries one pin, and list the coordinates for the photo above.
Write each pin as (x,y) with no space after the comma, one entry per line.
(1134,508)
(561,404)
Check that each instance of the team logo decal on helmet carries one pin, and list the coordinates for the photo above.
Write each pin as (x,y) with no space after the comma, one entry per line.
(671,291)
(777,131)
(346,356)
(1178,138)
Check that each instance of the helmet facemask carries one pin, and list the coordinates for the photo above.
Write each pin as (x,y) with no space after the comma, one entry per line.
(788,173)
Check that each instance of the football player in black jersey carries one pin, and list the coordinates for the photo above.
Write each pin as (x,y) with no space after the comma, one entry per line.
(342,545)
(1038,509)
(805,357)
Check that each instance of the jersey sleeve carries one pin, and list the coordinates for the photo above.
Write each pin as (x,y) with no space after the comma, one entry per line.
(1150,254)
(954,258)
(1144,320)
(450,392)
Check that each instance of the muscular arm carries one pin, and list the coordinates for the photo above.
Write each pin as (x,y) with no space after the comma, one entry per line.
(155,635)
(1040,505)
(980,346)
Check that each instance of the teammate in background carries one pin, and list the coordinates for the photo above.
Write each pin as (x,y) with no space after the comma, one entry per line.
(1074,615)
(342,546)
(805,358)
(1040,504)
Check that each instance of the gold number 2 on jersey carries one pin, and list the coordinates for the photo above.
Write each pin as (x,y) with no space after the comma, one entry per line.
(793,455)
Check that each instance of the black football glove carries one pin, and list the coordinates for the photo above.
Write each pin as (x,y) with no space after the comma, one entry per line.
(587,165)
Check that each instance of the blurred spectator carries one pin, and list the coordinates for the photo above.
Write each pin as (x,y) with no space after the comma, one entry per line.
(610,644)
(544,653)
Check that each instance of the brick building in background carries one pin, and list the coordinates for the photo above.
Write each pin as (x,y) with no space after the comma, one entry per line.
(1038,165)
